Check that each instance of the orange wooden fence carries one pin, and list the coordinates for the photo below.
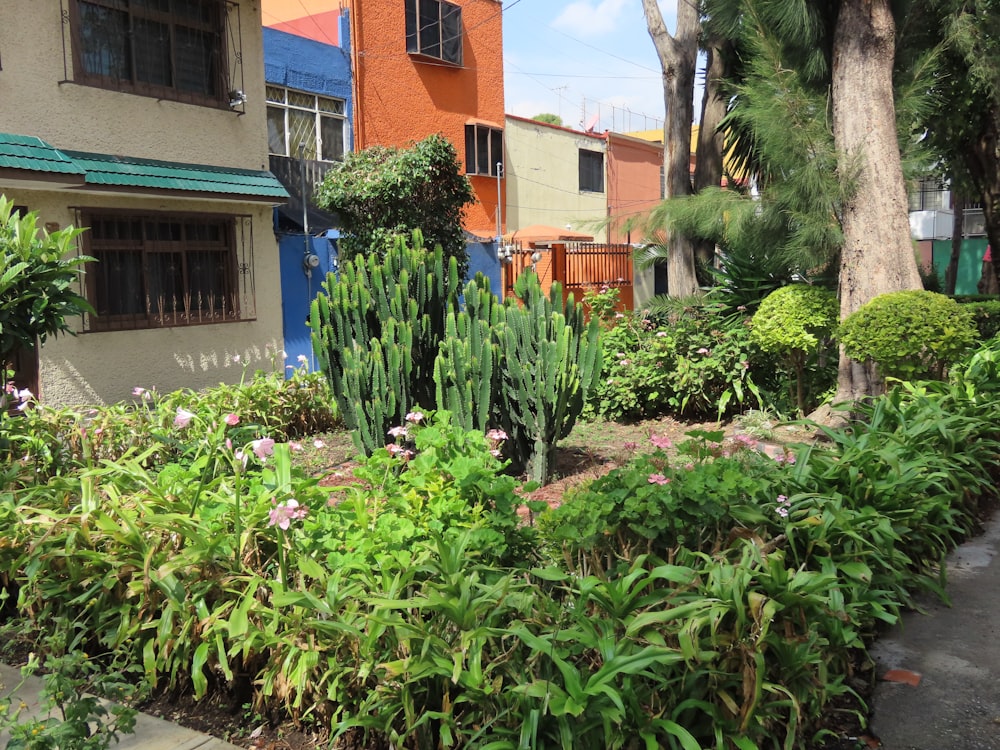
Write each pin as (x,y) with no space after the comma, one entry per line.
(578,266)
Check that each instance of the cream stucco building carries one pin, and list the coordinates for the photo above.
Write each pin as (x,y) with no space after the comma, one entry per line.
(145,124)
(555,177)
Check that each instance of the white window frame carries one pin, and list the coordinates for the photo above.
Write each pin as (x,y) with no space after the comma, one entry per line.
(278,98)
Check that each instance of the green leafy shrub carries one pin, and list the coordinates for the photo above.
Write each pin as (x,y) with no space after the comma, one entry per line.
(985,313)
(38,276)
(797,322)
(909,335)
(693,362)
(383,194)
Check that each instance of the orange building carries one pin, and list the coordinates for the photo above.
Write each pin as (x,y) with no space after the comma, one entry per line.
(430,66)
(420,67)
(635,185)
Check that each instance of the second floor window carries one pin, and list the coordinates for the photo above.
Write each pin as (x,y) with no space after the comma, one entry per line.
(483,150)
(172,49)
(591,171)
(434,28)
(312,125)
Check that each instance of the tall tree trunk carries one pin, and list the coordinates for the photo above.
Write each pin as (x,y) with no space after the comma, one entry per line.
(877,256)
(708,161)
(957,232)
(678,56)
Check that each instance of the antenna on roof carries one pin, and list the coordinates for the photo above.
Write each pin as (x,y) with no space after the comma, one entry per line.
(592,122)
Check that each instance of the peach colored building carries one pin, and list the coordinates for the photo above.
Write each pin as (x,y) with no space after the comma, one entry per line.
(635,167)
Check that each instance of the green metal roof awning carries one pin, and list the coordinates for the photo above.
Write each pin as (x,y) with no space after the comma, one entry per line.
(34,159)
(106,170)
(28,159)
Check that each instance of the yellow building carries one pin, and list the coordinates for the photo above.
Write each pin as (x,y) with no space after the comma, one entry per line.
(148,128)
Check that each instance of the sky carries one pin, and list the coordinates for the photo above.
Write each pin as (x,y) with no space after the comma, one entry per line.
(592,62)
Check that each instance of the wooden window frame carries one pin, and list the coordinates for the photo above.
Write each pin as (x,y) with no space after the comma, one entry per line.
(219,95)
(231,305)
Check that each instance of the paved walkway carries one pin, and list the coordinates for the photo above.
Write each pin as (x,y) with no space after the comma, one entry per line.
(150,733)
(952,654)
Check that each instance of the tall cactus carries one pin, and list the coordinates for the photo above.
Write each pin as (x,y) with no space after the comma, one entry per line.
(466,369)
(376,331)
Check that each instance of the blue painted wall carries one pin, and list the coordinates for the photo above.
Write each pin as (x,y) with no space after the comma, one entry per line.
(298,290)
(483,259)
(307,65)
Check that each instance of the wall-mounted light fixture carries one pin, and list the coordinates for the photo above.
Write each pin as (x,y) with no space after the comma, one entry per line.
(237,98)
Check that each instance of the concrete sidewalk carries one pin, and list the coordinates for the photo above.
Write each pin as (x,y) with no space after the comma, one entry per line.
(150,733)
(953,656)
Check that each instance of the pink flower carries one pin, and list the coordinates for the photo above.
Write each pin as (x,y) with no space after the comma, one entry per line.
(496,434)
(293,446)
(236,358)
(662,442)
(703,350)
(139,391)
(399,431)
(782,511)
(183,418)
(661,334)
(232,419)
(415,416)
(317,443)
(689,466)
(263,447)
(619,315)
(302,359)
(399,451)
(658,479)
(242,457)
(783,500)
(629,445)
(283,514)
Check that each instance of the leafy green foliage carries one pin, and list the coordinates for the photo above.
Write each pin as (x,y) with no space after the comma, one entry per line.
(914,334)
(796,321)
(986,314)
(382,194)
(37,281)
(695,362)
(711,596)
(74,716)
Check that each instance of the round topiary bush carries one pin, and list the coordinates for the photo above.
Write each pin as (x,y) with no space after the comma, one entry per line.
(793,321)
(909,335)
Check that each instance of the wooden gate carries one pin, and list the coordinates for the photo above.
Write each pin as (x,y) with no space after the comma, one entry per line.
(578,266)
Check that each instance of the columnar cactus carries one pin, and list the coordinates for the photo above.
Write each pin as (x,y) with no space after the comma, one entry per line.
(376,331)
(551,358)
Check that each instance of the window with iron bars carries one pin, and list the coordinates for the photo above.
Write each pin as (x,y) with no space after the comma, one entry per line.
(171,49)
(162,270)
(305,125)
(434,29)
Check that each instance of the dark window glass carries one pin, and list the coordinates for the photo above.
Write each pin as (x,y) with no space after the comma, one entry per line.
(154,47)
(483,149)
(158,270)
(434,28)
(591,171)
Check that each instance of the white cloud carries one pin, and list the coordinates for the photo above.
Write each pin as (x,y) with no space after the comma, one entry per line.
(585,18)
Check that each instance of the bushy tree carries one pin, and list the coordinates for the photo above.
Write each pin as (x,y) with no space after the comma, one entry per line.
(384,193)
(794,321)
(37,282)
